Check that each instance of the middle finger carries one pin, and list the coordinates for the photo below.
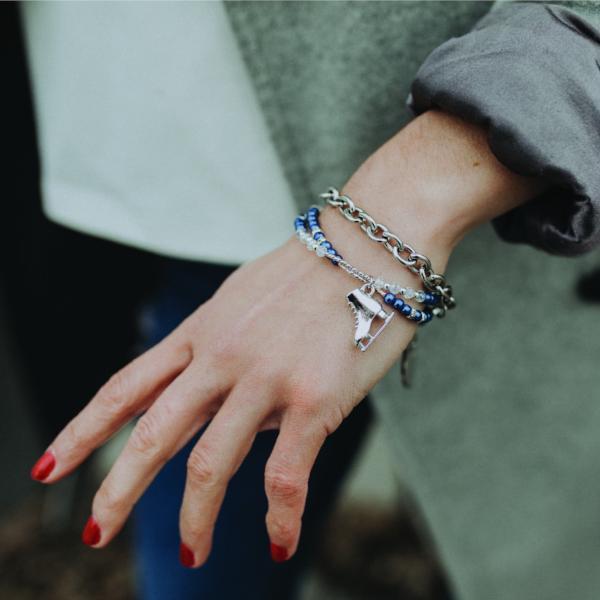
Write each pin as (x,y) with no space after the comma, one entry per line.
(212,463)
(166,427)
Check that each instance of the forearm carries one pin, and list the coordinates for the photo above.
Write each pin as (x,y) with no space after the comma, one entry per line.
(430,184)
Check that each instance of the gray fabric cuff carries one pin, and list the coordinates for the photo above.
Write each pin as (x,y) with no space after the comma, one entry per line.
(530,74)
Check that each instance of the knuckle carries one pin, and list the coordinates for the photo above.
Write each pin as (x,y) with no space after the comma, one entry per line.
(307,398)
(144,438)
(224,348)
(200,468)
(307,406)
(283,486)
(263,377)
(112,395)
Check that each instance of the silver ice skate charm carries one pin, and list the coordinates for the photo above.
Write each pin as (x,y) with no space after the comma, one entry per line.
(366,309)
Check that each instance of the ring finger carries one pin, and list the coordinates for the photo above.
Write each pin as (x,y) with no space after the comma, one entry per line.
(213,461)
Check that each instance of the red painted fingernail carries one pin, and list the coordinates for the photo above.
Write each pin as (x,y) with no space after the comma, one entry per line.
(278,553)
(43,467)
(91,532)
(186,556)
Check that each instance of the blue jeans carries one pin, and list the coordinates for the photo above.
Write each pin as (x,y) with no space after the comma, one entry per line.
(239,566)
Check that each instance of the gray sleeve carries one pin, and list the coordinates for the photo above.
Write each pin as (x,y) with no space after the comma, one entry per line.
(530,74)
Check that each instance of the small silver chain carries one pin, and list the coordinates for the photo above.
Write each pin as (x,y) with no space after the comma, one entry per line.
(401,251)
(352,270)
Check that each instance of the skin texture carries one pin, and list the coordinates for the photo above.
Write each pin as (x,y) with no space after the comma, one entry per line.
(273,347)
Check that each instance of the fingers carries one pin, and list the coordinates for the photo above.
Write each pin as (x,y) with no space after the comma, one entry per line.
(163,430)
(286,482)
(212,463)
(125,394)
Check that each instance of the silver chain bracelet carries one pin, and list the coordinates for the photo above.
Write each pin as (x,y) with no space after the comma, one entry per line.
(417,263)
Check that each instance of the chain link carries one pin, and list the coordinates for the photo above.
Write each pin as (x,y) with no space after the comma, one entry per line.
(417,263)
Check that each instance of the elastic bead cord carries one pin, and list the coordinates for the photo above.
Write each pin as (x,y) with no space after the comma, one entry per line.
(317,241)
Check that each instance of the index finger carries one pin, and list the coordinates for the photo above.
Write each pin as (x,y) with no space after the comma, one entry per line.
(125,394)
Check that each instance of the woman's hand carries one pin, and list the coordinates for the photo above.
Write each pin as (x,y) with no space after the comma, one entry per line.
(273,348)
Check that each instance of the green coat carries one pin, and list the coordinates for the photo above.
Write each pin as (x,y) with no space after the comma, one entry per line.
(499,438)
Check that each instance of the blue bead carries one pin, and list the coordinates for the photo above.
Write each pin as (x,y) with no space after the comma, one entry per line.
(389,298)
(325,244)
(406,310)
(417,316)
(319,236)
(331,251)
(399,304)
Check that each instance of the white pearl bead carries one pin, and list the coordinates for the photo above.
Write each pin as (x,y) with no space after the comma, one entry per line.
(410,293)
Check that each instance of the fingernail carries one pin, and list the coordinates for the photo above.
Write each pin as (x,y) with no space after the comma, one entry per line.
(43,467)
(91,532)
(278,553)
(186,556)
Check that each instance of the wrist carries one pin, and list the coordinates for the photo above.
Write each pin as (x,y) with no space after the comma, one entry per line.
(372,257)
(436,180)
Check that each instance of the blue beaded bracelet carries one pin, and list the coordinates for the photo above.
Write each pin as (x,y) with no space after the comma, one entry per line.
(312,218)
(315,239)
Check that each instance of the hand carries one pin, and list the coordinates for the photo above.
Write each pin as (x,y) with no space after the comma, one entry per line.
(273,347)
